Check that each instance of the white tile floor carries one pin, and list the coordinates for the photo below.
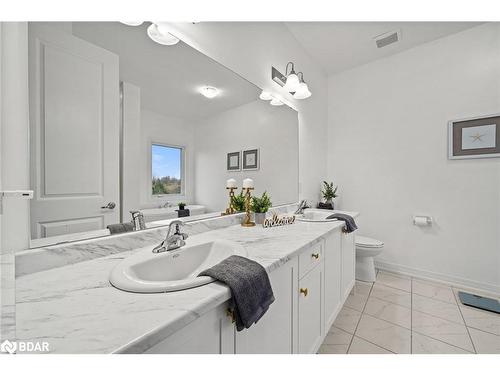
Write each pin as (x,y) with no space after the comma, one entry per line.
(399,314)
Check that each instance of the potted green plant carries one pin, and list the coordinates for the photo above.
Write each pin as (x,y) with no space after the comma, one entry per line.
(260,206)
(181,205)
(329,192)
(238,202)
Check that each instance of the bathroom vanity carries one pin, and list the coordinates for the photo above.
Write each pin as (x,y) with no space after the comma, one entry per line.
(76,309)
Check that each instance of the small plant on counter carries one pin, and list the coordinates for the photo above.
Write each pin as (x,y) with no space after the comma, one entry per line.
(238,202)
(260,206)
(181,205)
(329,192)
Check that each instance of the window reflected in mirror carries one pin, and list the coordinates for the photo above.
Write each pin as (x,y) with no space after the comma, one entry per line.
(166,170)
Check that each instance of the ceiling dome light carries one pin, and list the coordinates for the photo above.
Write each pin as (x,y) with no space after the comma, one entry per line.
(160,36)
(209,92)
(276,102)
(132,23)
(292,80)
(265,95)
(302,89)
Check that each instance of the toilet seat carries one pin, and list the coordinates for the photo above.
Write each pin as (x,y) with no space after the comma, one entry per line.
(368,243)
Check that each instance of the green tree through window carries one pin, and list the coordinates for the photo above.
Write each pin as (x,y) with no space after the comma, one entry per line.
(166,169)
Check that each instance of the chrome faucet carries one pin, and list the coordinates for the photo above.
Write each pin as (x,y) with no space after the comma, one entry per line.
(172,241)
(302,206)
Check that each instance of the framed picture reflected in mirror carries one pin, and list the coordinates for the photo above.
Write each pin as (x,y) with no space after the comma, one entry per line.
(251,159)
(234,161)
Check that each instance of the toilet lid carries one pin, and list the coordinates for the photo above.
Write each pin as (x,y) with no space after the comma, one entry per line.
(368,242)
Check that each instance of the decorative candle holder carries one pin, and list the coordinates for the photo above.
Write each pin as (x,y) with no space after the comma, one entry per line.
(230,209)
(247,221)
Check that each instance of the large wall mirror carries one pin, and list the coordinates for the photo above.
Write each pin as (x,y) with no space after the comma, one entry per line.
(120,123)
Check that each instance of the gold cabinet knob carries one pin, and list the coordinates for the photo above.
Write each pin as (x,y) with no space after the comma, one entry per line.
(304,291)
(315,256)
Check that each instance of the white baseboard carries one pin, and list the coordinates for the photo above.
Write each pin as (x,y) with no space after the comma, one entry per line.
(454,281)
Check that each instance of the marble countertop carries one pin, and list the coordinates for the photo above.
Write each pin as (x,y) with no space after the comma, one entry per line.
(77,310)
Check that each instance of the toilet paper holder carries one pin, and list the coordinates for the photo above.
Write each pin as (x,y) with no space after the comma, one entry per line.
(422,220)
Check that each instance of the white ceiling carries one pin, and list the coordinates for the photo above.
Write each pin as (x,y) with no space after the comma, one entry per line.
(168,76)
(338,46)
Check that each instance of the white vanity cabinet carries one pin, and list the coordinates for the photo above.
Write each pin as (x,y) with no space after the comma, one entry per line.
(310,290)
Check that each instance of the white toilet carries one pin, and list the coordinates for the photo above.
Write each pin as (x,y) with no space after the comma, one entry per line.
(366,249)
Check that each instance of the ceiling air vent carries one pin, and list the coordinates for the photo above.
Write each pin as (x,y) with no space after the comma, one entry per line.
(387,38)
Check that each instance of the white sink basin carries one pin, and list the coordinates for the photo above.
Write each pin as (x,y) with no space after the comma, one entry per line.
(147,272)
(316,215)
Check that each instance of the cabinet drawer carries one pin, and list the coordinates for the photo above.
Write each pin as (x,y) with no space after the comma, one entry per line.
(310,258)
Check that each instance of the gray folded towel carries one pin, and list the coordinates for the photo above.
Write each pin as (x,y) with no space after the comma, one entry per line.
(350,224)
(251,289)
(120,228)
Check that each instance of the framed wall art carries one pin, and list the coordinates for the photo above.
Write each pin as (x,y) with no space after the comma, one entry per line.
(234,161)
(251,159)
(477,137)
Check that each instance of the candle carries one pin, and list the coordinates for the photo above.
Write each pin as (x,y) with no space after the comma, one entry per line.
(247,183)
(231,183)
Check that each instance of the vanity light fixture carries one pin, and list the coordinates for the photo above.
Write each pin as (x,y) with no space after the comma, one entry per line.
(265,95)
(276,102)
(209,92)
(292,82)
(160,35)
(302,90)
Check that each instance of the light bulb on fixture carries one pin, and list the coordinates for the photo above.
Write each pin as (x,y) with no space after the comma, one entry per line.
(209,92)
(276,102)
(292,80)
(302,90)
(264,95)
(161,36)
(132,23)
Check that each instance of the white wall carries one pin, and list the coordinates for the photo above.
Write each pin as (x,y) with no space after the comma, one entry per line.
(250,49)
(131,149)
(171,131)
(274,130)
(387,149)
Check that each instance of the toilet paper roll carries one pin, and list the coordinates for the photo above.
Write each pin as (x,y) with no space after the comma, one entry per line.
(422,220)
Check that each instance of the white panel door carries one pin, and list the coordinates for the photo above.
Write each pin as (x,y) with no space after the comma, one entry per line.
(74,124)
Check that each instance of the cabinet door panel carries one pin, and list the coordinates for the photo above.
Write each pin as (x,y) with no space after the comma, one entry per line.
(310,326)
(273,334)
(348,263)
(333,277)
